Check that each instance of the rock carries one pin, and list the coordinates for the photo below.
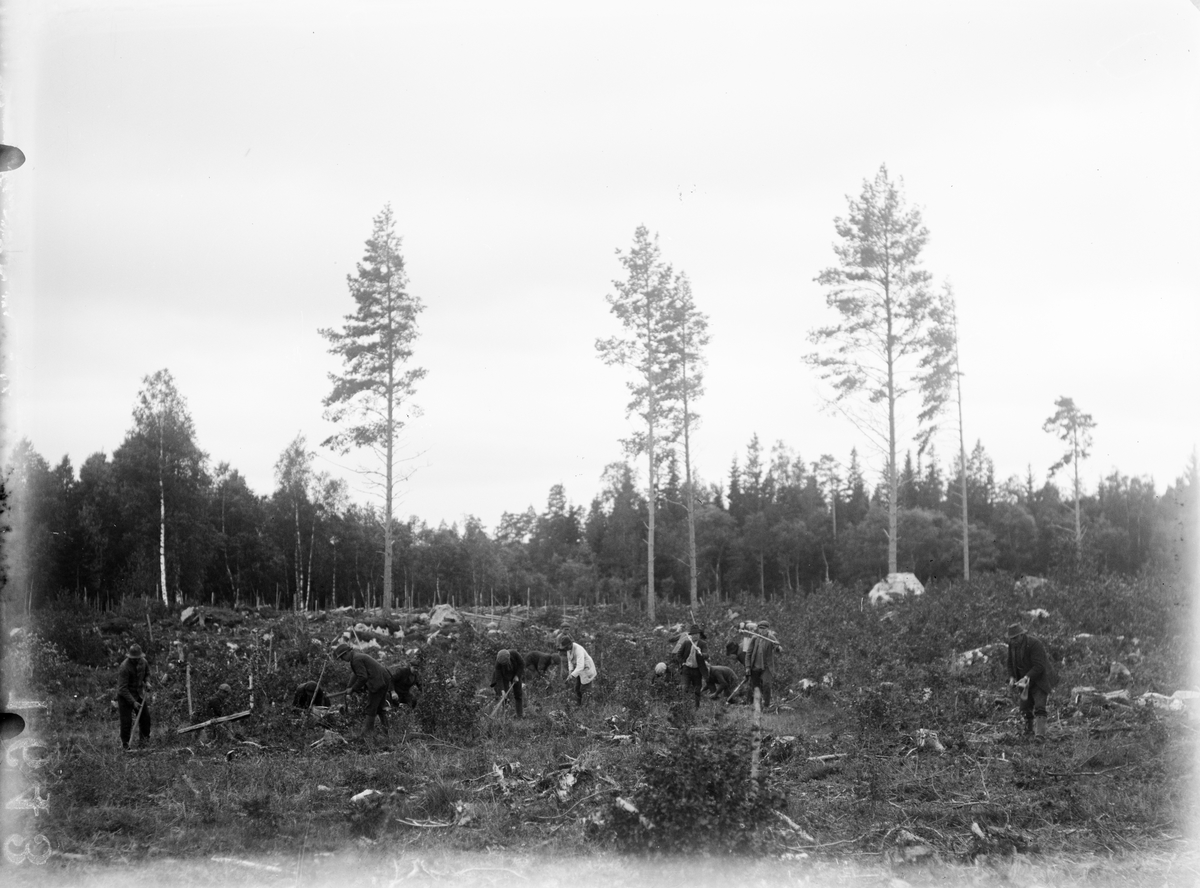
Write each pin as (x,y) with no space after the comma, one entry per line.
(1038,613)
(1118,672)
(895,587)
(189,615)
(442,614)
(1161,701)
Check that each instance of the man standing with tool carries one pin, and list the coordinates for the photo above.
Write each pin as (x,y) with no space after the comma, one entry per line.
(371,674)
(760,658)
(132,691)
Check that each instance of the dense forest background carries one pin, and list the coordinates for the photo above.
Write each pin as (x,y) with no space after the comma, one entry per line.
(775,526)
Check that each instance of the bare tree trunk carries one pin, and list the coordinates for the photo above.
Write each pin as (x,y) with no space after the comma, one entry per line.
(1079,532)
(962,455)
(299,556)
(312,544)
(893,486)
(162,520)
(650,503)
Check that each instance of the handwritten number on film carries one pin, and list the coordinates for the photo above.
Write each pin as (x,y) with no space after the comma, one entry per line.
(35,850)
(17,848)
(25,744)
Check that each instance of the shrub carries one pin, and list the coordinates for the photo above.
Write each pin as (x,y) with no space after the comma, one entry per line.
(76,639)
(697,798)
(30,662)
(446,707)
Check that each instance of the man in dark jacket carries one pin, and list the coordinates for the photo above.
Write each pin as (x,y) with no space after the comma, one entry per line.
(760,658)
(1030,669)
(369,673)
(691,650)
(131,695)
(510,673)
(406,685)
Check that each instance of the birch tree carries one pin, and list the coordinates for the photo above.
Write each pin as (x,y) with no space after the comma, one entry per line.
(372,398)
(160,454)
(643,304)
(872,355)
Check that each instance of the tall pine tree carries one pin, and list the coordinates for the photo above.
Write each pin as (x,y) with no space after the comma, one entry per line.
(371,398)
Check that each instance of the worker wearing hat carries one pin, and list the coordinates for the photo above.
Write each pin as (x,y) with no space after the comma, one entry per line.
(132,691)
(581,671)
(369,673)
(691,652)
(217,707)
(760,659)
(1031,670)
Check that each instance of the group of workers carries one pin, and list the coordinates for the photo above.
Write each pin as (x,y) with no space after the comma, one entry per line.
(754,648)
(1030,669)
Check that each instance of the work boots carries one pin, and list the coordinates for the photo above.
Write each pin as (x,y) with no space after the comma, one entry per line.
(1028,732)
(1039,728)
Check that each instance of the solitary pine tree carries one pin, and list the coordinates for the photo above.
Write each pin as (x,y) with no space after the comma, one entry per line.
(1075,427)
(643,303)
(873,355)
(371,397)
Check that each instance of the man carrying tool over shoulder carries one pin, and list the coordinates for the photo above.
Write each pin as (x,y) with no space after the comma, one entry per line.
(132,691)
(760,658)
(371,674)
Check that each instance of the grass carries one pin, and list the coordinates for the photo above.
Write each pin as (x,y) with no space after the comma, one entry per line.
(1111,785)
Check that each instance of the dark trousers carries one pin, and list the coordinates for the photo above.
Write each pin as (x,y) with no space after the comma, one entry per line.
(518,692)
(761,679)
(692,679)
(1033,704)
(127,711)
(375,701)
(579,689)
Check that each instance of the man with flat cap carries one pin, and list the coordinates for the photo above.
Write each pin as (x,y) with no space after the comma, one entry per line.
(369,673)
(1031,670)
(132,690)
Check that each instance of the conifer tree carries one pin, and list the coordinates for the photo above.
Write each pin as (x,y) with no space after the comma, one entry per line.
(371,398)
(873,355)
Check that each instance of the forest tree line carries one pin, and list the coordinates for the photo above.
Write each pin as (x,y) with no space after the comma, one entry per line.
(775,526)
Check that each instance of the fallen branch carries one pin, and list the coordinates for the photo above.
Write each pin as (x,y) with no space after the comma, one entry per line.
(213,721)
(564,814)
(425,824)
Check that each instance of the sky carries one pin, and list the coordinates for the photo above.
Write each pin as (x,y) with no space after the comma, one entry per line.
(201,179)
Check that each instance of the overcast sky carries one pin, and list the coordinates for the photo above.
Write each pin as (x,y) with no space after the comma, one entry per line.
(201,178)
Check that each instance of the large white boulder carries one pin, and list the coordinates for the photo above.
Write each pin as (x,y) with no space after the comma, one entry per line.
(895,587)
(442,614)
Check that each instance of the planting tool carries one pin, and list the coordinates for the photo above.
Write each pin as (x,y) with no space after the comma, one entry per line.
(137,719)
(500,702)
(313,699)
(733,693)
